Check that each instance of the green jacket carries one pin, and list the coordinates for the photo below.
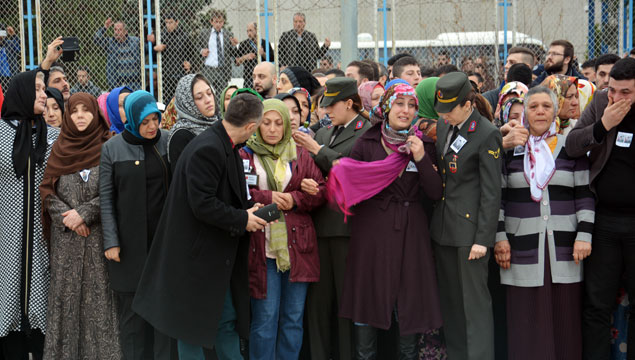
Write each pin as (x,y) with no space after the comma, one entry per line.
(467,213)
(329,222)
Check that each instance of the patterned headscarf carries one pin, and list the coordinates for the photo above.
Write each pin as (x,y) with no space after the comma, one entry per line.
(586,90)
(189,117)
(560,84)
(380,112)
(507,106)
(512,87)
(185,105)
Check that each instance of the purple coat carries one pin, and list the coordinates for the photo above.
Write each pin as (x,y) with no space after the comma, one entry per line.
(389,261)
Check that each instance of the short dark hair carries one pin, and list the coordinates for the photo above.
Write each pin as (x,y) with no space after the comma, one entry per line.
(243,109)
(393,59)
(375,67)
(83,68)
(606,59)
(520,72)
(478,76)
(568,48)
(337,72)
(426,71)
(445,69)
(528,55)
(398,67)
(364,70)
(624,69)
(383,70)
(217,14)
(170,15)
(444,53)
(632,51)
(328,58)
(588,64)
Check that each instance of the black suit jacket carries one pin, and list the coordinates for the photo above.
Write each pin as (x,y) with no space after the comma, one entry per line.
(304,53)
(200,249)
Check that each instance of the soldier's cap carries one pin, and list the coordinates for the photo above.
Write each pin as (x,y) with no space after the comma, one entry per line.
(451,90)
(337,89)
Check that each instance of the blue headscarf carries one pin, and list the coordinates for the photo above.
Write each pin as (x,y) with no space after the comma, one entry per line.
(396,81)
(138,105)
(112,105)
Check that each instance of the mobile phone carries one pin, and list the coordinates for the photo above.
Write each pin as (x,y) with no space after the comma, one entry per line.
(268,213)
(3,33)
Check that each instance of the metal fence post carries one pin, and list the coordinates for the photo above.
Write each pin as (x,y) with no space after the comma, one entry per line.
(149,18)
(591,30)
(630,25)
(348,31)
(385,34)
(29,21)
(157,15)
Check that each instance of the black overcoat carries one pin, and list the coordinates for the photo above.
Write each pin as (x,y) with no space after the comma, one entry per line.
(200,247)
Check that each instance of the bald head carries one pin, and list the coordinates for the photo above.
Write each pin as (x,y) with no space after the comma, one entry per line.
(265,79)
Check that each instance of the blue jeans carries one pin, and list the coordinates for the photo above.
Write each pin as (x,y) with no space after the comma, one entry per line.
(227,343)
(276,324)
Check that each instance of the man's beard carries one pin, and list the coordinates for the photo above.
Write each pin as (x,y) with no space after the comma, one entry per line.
(265,90)
(555,68)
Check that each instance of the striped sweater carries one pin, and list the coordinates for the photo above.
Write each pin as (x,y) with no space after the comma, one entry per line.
(565,214)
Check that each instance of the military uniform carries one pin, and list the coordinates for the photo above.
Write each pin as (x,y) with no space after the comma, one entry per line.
(470,168)
(333,234)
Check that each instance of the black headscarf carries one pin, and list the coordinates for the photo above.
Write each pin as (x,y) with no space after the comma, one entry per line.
(299,77)
(18,105)
(53,93)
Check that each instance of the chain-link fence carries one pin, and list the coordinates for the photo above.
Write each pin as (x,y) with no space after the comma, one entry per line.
(10,41)
(109,34)
(470,34)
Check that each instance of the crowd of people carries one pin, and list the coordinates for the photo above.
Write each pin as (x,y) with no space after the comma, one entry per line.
(417,216)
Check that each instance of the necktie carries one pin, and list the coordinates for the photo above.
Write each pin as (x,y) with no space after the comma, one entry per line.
(336,133)
(455,133)
(219,49)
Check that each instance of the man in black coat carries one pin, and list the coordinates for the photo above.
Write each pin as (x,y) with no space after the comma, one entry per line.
(299,47)
(194,286)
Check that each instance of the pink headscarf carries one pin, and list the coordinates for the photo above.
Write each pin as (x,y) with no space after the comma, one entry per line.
(365,92)
(101,101)
(352,181)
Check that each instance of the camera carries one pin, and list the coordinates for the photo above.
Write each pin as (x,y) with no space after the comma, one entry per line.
(70,47)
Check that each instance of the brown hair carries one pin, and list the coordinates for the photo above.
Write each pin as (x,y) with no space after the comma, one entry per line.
(528,56)
(568,48)
(357,105)
(480,103)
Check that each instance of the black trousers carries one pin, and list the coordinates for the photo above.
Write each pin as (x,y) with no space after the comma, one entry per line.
(139,340)
(18,344)
(613,255)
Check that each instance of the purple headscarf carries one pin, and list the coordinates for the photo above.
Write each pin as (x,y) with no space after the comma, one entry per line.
(365,91)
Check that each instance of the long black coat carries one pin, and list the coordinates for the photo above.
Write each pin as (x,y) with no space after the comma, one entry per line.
(200,245)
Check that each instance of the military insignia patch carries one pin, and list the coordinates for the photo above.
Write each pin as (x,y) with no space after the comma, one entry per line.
(453,167)
(495,154)
(472,126)
(359,125)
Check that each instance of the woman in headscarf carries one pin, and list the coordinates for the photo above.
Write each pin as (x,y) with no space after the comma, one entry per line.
(545,227)
(390,168)
(295,109)
(284,258)
(82,317)
(510,90)
(225,97)
(566,90)
(102,101)
(586,90)
(295,76)
(115,107)
(134,176)
(168,119)
(25,144)
(54,107)
(330,144)
(196,109)
(370,92)
(428,117)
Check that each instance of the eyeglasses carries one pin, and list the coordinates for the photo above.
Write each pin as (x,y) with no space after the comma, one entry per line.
(552,54)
